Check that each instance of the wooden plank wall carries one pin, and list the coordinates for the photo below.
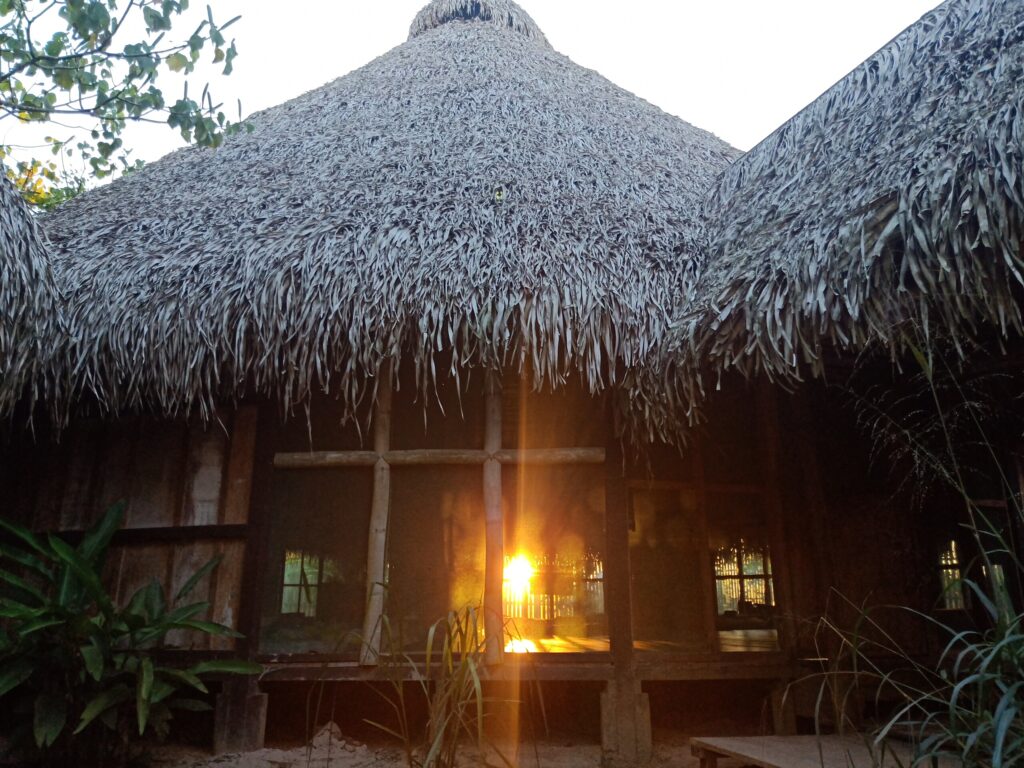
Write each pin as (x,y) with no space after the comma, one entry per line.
(184,488)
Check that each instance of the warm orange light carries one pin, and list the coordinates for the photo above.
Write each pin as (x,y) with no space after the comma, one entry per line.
(518,574)
(519,645)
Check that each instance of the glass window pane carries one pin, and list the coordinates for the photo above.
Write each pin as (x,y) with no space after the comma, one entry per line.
(436,548)
(554,558)
(290,600)
(952,589)
(728,596)
(726,561)
(670,599)
(753,560)
(292,566)
(314,579)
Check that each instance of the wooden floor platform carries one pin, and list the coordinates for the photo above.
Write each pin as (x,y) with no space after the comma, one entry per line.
(803,752)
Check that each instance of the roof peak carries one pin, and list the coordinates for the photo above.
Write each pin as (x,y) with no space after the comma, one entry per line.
(503,14)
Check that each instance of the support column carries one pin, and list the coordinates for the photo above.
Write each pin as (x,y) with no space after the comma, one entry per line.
(707,567)
(240,713)
(625,709)
(495,542)
(783,711)
(767,407)
(376,553)
(239,717)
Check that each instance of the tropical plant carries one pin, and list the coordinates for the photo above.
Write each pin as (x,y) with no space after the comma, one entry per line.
(81,678)
(968,705)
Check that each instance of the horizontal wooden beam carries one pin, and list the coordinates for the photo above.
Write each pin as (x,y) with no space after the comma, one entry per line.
(550,456)
(325,459)
(434,456)
(183,534)
(597,666)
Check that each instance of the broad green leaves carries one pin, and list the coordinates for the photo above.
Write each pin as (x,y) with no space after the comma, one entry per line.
(70,658)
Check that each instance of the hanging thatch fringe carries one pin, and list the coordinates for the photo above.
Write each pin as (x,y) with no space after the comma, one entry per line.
(472,190)
(29,320)
(897,197)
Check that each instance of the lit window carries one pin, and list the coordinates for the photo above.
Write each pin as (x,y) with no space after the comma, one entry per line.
(743,579)
(950,576)
(303,575)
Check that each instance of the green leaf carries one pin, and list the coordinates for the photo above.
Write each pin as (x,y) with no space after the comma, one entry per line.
(21,584)
(48,719)
(82,569)
(96,541)
(227,667)
(100,703)
(196,577)
(13,674)
(26,559)
(27,537)
(183,676)
(93,658)
(176,62)
(144,692)
(37,625)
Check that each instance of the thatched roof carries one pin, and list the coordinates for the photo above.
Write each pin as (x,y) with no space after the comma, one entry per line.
(471,189)
(896,197)
(28,307)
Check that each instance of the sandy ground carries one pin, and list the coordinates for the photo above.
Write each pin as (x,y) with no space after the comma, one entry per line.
(331,749)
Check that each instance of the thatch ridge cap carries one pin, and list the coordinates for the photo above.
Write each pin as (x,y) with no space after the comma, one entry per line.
(498,14)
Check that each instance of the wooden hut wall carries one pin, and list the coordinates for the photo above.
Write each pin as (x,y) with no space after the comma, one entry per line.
(320,491)
(184,486)
(858,538)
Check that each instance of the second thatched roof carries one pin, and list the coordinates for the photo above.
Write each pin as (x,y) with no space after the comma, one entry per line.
(471,190)
(896,197)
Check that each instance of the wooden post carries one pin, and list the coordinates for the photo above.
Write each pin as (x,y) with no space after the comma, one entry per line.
(707,567)
(495,562)
(767,407)
(625,709)
(241,709)
(376,554)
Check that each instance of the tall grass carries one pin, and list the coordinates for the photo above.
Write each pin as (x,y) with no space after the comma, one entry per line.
(448,678)
(966,706)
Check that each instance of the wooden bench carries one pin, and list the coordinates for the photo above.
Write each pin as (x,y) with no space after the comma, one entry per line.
(801,752)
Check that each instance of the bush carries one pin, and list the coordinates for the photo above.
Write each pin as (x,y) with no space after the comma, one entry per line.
(79,678)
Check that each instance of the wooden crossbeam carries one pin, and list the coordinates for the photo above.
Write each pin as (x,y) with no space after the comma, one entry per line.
(423,456)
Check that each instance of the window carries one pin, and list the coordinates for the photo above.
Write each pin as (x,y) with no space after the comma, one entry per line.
(667,560)
(314,581)
(743,580)
(950,575)
(436,549)
(303,575)
(553,591)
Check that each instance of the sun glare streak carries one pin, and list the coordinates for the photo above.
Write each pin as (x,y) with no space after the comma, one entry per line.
(520,645)
(518,575)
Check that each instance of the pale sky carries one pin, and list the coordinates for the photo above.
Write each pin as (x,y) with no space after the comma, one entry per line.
(738,68)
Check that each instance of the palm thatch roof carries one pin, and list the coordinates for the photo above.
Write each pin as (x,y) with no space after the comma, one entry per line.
(896,197)
(28,306)
(471,190)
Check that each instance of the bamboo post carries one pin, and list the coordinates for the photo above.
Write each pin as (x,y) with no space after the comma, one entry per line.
(707,566)
(495,543)
(767,406)
(376,554)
